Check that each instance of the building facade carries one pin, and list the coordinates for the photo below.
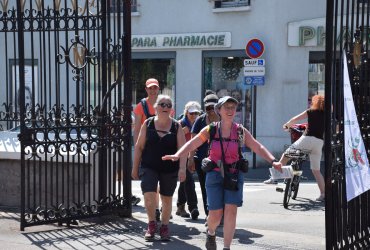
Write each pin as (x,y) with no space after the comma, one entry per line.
(190,46)
(194,45)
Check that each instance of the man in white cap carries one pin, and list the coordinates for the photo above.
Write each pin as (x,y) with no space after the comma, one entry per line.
(186,191)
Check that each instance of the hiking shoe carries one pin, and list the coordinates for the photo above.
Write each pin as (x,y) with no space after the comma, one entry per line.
(164,232)
(194,214)
(270,181)
(211,242)
(182,212)
(321,198)
(135,200)
(157,215)
(152,228)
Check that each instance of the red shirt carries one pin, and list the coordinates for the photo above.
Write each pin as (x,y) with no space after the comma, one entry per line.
(140,111)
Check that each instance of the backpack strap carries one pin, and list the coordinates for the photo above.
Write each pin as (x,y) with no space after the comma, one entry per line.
(145,108)
(174,126)
(212,132)
(240,131)
(150,122)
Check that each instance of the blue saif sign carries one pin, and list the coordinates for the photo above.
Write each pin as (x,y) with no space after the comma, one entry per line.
(254,80)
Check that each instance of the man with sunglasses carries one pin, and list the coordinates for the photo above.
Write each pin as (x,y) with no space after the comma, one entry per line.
(202,152)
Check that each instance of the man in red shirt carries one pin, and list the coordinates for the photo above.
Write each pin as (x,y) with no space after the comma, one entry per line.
(152,89)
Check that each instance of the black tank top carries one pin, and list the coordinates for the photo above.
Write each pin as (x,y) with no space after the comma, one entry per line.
(316,125)
(156,147)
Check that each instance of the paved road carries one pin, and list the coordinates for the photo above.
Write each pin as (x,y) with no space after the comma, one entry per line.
(262,223)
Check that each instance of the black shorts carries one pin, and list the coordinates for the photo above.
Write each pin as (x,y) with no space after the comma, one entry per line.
(150,178)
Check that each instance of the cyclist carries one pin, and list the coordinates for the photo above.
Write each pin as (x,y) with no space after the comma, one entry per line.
(312,140)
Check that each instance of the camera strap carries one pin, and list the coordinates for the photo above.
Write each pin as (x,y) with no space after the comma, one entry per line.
(223,162)
(221,144)
(240,142)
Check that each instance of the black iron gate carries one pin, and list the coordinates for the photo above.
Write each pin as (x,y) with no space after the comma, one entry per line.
(66,92)
(347,31)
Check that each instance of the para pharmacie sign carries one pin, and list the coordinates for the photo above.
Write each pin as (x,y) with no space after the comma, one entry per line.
(187,40)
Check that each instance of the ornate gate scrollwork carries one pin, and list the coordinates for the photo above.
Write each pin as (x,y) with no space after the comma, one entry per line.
(74,147)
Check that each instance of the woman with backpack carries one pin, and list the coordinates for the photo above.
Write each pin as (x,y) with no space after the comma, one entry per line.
(159,135)
(224,179)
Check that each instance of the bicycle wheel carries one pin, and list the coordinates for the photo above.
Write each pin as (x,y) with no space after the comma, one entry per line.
(287,192)
(295,187)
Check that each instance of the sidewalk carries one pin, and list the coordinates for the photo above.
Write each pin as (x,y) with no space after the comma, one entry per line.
(110,232)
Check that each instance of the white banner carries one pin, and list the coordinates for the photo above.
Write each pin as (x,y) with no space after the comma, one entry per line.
(356,161)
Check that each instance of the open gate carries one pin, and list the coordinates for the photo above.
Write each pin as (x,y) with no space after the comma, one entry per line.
(65,91)
(347,31)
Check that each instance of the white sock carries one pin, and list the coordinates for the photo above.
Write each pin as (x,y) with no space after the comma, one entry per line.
(212,234)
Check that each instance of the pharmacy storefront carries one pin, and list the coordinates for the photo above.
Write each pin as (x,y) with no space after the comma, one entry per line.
(168,57)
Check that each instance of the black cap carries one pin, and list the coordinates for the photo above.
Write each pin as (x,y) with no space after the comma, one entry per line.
(209,100)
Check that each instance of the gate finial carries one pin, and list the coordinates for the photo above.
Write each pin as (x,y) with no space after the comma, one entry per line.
(4,5)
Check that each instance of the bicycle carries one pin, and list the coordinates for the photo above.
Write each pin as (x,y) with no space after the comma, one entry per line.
(297,157)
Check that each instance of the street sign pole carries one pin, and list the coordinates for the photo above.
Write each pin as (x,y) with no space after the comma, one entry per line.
(254,130)
(254,74)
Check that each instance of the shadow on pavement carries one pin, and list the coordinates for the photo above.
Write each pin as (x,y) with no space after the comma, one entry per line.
(107,232)
(303,204)
(245,237)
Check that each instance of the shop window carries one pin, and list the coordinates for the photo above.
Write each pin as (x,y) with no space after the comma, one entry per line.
(142,67)
(225,76)
(231,3)
(161,69)
(316,80)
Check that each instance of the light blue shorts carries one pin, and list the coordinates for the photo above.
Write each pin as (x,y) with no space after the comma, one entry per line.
(217,196)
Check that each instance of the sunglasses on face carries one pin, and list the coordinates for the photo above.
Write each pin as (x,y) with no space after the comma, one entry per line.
(163,105)
(209,108)
(193,113)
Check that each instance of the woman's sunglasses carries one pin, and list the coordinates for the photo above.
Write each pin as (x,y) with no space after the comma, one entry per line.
(193,113)
(163,105)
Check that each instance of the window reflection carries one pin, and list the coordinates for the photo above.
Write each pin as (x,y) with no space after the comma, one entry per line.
(225,76)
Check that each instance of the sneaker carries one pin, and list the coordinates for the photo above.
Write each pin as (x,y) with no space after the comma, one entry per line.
(270,181)
(211,242)
(321,198)
(157,215)
(135,200)
(152,228)
(194,214)
(182,212)
(164,232)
